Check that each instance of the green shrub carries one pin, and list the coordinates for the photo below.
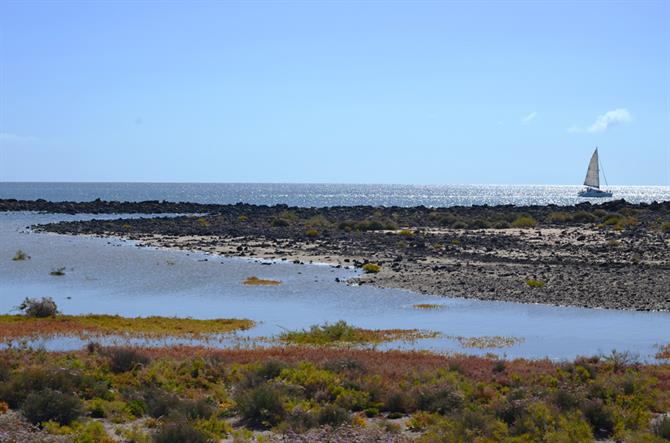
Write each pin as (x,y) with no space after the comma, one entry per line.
(665,227)
(136,408)
(197,409)
(279,223)
(288,215)
(242,218)
(371,412)
(96,408)
(180,432)
(398,401)
(535,283)
(459,224)
(20,256)
(479,224)
(502,225)
(333,416)
(22,384)
(261,406)
(584,217)
(559,217)
(406,232)
(612,219)
(600,417)
(124,359)
(441,399)
(157,402)
(58,272)
(371,268)
(317,221)
(524,221)
(42,308)
(312,233)
(270,369)
(300,420)
(51,405)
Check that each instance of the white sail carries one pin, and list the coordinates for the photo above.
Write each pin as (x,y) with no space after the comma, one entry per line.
(593,174)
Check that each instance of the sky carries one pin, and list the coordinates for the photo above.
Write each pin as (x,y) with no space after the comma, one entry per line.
(416,92)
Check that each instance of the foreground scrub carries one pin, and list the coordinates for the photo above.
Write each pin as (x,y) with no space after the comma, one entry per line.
(193,394)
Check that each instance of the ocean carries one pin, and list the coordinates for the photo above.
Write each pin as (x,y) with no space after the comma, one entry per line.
(319,195)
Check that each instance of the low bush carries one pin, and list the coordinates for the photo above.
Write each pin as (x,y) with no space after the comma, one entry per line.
(399,401)
(158,402)
(261,406)
(600,417)
(279,223)
(440,399)
(479,224)
(559,217)
(124,359)
(180,432)
(51,405)
(584,217)
(44,307)
(288,215)
(535,283)
(197,409)
(318,221)
(333,416)
(22,384)
(665,227)
(524,221)
(89,432)
(312,233)
(20,256)
(371,268)
(58,272)
(459,224)
(371,412)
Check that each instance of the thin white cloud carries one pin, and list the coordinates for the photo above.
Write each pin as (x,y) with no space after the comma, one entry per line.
(9,137)
(529,118)
(610,118)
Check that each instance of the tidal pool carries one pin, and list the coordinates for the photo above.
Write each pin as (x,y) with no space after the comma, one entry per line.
(112,276)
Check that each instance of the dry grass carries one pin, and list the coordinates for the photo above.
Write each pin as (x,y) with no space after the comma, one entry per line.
(14,327)
(255,281)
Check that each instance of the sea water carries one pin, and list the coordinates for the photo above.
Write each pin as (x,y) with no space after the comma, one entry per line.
(318,195)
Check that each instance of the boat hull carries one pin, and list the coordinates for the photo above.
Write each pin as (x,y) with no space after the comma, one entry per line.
(594,193)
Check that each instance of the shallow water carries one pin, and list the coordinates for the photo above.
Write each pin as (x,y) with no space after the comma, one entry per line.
(116,277)
(305,194)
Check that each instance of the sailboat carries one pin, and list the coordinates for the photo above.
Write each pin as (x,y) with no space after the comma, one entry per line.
(592,180)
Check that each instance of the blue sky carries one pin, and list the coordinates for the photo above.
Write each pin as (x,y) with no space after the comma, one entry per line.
(362,92)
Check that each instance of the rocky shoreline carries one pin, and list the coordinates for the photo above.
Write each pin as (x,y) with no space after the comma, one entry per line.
(614,255)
